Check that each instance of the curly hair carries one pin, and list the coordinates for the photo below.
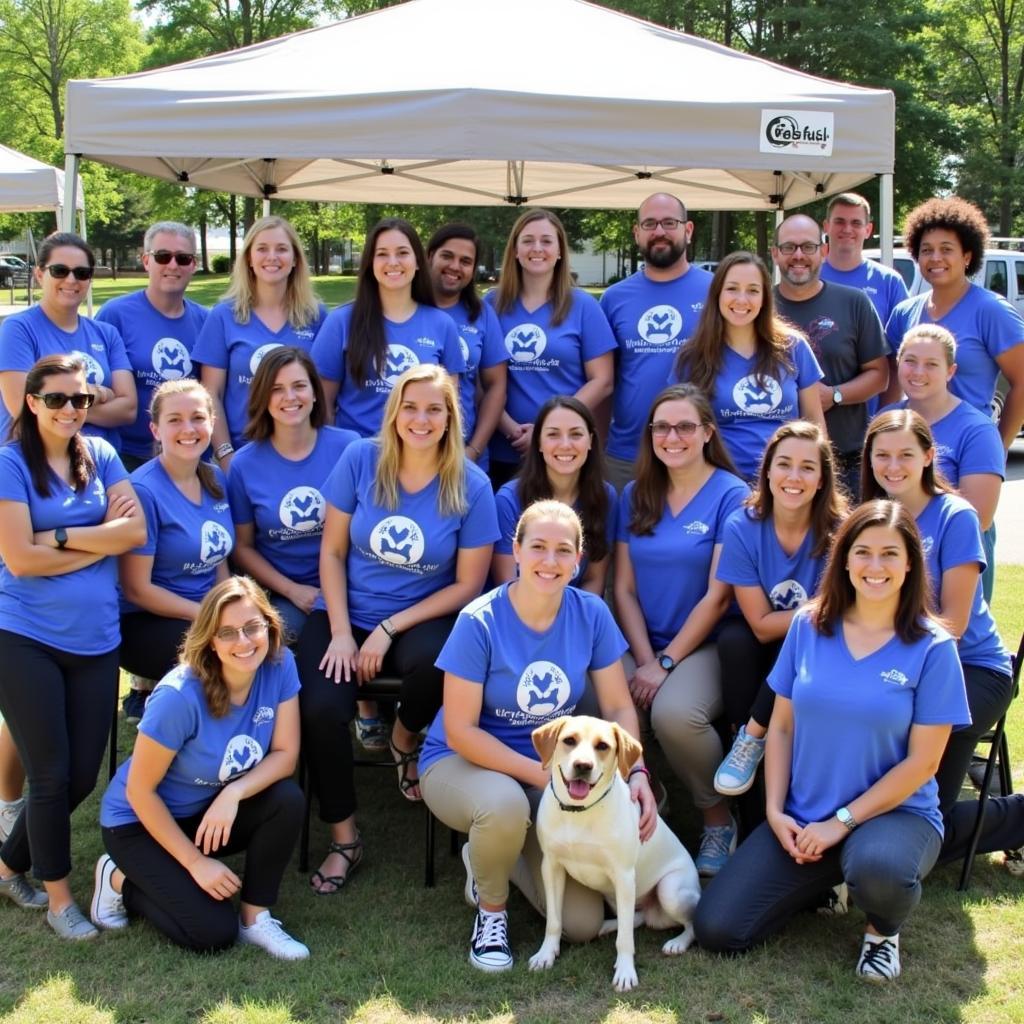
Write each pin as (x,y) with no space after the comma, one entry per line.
(954,214)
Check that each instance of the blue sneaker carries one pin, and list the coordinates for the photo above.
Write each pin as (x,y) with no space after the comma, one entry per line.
(717,845)
(736,773)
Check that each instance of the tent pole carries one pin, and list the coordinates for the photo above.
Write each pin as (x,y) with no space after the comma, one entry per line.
(70,192)
(885,212)
(266,207)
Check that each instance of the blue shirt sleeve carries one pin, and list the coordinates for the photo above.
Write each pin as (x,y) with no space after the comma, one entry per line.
(597,336)
(340,488)
(609,643)
(961,541)
(737,563)
(451,351)
(211,348)
(783,673)
(148,506)
(467,651)
(506,502)
(171,719)
(940,698)
(808,370)
(328,352)
(238,496)
(493,351)
(480,523)
(17,349)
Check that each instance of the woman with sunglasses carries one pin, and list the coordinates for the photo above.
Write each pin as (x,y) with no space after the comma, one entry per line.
(210,776)
(270,302)
(899,463)
(189,535)
(66,508)
(671,525)
(52,325)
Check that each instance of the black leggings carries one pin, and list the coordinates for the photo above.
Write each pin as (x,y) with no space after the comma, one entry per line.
(159,889)
(149,643)
(746,663)
(327,708)
(58,707)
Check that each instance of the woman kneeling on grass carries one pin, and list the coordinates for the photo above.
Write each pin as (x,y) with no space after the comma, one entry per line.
(868,686)
(210,776)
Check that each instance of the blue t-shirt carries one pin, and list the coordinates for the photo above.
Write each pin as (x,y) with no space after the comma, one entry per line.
(76,611)
(428,336)
(966,442)
(545,360)
(985,326)
(208,752)
(28,336)
(528,678)
(510,509)
(159,348)
(187,541)
(650,320)
(752,557)
(283,499)
(852,717)
(883,285)
(397,557)
(672,565)
(951,536)
(749,411)
(225,344)
(483,346)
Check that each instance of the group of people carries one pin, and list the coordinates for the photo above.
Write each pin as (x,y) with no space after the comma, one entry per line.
(416,485)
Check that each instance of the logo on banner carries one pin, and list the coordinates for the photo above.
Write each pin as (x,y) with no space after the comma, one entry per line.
(807,132)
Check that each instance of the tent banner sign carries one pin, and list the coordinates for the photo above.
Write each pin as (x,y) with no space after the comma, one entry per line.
(809,133)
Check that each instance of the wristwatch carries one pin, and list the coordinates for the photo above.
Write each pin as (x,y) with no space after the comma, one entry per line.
(837,396)
(844,815)
(60,535)
(666,661)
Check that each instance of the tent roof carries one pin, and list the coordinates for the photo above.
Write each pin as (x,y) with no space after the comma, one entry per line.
(28,186)
(481,102)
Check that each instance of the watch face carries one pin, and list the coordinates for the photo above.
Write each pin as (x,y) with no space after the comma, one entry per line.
(666,663)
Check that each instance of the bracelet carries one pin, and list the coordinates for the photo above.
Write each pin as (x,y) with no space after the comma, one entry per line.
(473,448)
(223,449)
(639,770)
(388,628)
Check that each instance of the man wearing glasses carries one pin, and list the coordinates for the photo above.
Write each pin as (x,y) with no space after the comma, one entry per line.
(159,327)
(652,313)
(844,331)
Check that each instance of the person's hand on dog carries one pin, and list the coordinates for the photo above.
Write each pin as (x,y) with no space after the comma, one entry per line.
(817,837)
(646,682)
(786,831)
(640,793)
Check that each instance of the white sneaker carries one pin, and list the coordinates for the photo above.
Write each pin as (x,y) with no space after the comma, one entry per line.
(9,811)
(472,896)
(267,933)
(836,901)
(107,910)
(489,949)
(879,958)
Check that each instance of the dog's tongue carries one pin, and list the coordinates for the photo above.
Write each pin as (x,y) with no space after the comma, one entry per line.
(578,789)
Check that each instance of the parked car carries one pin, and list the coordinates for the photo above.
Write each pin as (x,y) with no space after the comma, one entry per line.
(13,270)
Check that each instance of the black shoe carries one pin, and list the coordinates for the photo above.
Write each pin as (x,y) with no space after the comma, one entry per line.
(134,704)
(489,949)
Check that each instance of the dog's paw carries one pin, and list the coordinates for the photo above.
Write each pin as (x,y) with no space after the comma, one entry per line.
(624,978)
(680,944)
(544,958)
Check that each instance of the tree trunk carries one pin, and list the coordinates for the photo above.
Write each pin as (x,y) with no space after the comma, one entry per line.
(204,254)
(232,227)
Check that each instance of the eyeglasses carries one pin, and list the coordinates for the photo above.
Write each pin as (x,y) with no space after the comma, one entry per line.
(251,630)
(807,248)
(662,428)
(61,270)
(57,400)
(164,256)
(668,223)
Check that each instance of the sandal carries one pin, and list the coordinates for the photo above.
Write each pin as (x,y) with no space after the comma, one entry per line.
(318,879)
(402,759)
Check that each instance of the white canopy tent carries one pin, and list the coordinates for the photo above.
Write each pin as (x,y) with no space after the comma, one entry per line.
(29,186)
(481,102)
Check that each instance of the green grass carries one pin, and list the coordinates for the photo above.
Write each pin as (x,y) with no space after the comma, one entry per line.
(388,951)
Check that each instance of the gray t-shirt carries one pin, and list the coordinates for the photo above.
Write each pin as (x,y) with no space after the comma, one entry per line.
(845,333)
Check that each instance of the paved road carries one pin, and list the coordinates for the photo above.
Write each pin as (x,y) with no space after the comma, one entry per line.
(1010,514)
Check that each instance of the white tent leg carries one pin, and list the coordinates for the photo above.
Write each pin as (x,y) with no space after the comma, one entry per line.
(70,192)
(885,204)
(266,207)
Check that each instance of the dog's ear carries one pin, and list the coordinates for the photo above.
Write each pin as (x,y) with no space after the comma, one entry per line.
(545,738)
(628,749)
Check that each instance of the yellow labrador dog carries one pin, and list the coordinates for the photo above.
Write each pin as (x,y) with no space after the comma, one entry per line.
(588,827)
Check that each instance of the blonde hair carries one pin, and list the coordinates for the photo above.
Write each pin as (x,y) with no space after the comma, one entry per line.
(451,455)
(549,508)
(188,386)
(301,304)
(930,332)
(197,647)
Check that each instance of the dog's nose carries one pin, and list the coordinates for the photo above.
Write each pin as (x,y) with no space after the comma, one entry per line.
(582,768)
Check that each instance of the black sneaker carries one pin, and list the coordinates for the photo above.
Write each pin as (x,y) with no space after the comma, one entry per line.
(489,949)
(134,704)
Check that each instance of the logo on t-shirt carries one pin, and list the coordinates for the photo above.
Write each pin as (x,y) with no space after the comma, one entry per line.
(398,360)
(543,688)
(526,342)
(660,325)
(263,715)
(215,543)
(894,675)
(240,755)
(302,509)
(818,330)
(464,348)
(927,543)
(696,527)
(171,359)
(257,356)
(787,595)
(398,540)
(757,398)
(93,371)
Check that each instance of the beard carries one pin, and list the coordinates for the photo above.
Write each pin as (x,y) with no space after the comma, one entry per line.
(667,253)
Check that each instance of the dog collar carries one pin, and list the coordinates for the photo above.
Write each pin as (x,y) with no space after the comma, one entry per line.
(576,808)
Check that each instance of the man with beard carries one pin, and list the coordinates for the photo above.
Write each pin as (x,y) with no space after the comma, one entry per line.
(844,331)
(652,313)
(452,256)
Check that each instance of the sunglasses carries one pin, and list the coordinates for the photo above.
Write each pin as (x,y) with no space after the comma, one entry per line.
(164,256)
(57,400)
(61,270)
